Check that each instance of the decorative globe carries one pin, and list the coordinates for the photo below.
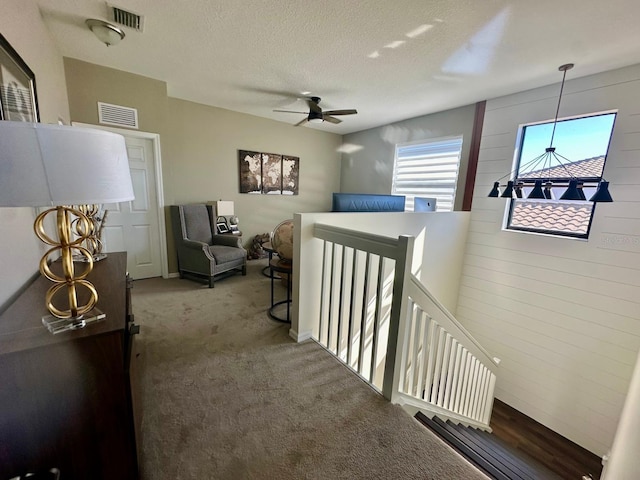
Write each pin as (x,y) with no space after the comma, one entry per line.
(282,240)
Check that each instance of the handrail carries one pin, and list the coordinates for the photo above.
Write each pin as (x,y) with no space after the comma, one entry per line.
(441,368)
(416,288)
(368,242)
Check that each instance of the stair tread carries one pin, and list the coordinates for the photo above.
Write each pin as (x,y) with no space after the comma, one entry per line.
(496,451)
(472,456)
(490,454)
(528,465)
(498,460)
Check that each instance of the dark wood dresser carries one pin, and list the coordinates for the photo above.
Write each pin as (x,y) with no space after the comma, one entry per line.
(69,400)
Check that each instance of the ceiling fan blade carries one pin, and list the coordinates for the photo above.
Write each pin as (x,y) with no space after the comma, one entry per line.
(291,111)
(341,112)
(330,119)
(313,105)
(301,122)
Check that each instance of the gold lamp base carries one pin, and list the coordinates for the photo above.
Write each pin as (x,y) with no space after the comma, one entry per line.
(59,325)
(93,242)
(68,221)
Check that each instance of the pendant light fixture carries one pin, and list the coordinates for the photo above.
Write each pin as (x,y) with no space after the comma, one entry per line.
(540,184)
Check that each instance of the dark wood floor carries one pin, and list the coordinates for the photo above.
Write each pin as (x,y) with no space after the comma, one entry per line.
(558,454)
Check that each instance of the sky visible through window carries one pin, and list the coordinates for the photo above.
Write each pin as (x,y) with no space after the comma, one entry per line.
(575,139)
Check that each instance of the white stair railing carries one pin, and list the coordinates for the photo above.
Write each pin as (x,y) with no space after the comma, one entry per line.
(360,301)
(441,364)
(380,321)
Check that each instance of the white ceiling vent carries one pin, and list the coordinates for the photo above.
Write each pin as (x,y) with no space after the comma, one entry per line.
(117,115)
(126,18)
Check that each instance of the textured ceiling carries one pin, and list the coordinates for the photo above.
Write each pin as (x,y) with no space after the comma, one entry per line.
(390,60)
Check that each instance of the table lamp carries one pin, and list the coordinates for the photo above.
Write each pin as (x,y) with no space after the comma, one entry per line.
(224,209)
(67,168)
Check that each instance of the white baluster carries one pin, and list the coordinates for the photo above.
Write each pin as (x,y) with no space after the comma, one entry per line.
(445,368)
(451,372)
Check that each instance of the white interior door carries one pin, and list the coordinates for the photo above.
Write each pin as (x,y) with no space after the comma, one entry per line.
(133,226)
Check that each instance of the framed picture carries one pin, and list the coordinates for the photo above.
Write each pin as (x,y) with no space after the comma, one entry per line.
(18,101)
(268,173)
(290,168)
(271,173)
(250,171)
(222,225)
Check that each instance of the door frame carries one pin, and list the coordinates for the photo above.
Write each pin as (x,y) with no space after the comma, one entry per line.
(157,163)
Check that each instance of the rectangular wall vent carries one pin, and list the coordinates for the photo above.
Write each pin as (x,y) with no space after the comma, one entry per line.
(126,18)
(117,115)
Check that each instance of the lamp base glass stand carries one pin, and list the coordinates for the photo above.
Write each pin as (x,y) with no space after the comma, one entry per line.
(96,257)
(59,325)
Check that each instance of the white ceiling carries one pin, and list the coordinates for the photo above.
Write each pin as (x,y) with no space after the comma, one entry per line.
(254,56)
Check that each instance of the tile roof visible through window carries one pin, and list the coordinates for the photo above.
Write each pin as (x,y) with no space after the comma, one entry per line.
(544,215)
(564,217)
(589,167)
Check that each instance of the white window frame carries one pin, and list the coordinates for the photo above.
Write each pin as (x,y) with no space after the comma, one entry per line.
(517,160)
(428,190)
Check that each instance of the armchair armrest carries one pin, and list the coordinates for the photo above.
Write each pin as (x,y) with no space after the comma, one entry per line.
(200,246)
(194,244)
(228,240)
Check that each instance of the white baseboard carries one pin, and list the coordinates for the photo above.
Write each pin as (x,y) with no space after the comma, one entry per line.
(173,275)
(300,337)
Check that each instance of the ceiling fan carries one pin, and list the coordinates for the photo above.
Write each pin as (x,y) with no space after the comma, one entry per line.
(316,115)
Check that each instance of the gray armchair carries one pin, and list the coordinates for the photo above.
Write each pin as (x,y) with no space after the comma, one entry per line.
(200,251)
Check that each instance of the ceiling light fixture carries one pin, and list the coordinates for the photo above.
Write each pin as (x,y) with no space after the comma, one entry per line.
(549,160)
(106,33)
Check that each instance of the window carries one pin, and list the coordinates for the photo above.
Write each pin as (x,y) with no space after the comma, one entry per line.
(428,169)
(583,144)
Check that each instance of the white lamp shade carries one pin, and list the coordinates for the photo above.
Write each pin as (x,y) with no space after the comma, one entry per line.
(224,208)
(49,165)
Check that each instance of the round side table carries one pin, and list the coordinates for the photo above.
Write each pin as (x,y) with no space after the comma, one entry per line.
(280,266)
(266,271)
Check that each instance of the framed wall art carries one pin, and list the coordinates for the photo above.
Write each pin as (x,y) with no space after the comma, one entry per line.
(18,100)
(268,173)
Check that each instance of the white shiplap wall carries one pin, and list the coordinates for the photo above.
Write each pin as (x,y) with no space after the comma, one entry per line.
(562,314)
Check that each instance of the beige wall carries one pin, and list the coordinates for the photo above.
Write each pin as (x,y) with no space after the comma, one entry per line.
(369,169)
(563,314)
(201,164)
(200,147)
(88,84)
(22,26)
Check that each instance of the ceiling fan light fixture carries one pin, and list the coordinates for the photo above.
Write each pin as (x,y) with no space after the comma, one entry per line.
(315,117)
(106,33)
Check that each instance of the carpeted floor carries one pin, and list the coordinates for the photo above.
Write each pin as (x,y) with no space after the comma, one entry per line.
(226,394)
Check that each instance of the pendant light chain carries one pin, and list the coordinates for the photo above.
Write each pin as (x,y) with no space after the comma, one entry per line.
(564,69)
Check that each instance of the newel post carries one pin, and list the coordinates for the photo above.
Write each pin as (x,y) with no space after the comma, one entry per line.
(398,316)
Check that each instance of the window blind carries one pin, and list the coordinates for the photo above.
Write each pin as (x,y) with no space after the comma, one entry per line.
(428,169)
